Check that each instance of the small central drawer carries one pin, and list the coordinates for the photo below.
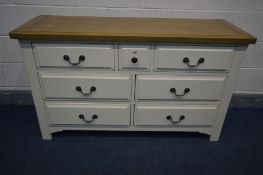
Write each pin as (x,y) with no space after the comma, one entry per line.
(89,114)
(86,86)
(174,115)
(171,87)
(193,58)
(134,57)
(93,56)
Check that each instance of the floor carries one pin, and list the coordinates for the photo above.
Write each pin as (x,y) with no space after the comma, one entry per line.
(239,151)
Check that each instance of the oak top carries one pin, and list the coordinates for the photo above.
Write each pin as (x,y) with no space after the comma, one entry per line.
(143,30)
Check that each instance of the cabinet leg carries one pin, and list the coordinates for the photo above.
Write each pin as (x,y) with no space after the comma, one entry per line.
(214,137)
(46,136)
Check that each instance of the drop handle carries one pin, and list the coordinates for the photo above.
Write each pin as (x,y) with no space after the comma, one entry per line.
(186,90)
(187,61)
(67,58)
(82,117)
(181,118)
(92,89)
(134,60)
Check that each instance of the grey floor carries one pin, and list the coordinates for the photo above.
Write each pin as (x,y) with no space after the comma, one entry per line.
(239,151)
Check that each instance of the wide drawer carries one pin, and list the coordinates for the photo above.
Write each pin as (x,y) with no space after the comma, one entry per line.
(92,114)
(169,87)
(174,115)
(193,58)
(88,86)
(94,56)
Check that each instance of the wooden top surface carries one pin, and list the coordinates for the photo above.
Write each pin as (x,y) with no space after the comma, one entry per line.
(143,30)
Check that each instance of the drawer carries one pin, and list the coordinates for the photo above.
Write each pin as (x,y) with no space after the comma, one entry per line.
(91,114)
(99,56)
(174,115)
(193,58)
(88,86)
(165,87)
(136,57)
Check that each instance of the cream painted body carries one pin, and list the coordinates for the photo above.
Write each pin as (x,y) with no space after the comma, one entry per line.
(132,96)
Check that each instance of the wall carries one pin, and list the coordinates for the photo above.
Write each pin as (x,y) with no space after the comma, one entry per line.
(247,14)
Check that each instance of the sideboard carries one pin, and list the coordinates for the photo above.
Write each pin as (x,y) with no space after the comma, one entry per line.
(131,74)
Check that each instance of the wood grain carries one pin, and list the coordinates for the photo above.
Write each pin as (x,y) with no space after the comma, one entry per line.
(142,30)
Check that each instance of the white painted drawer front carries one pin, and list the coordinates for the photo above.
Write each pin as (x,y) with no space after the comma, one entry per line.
(71,55)
(174,115)
(76,85)
(193,58)
(159,87)
(134,57)
(89,114)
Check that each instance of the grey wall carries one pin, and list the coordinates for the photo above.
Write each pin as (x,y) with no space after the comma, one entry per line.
(247,14)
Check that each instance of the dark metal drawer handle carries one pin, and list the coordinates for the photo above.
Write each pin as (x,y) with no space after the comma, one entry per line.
(168,117)
(67,58)
(200,61)
(173,90)
(134,60)
(92,89)
(82,117)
